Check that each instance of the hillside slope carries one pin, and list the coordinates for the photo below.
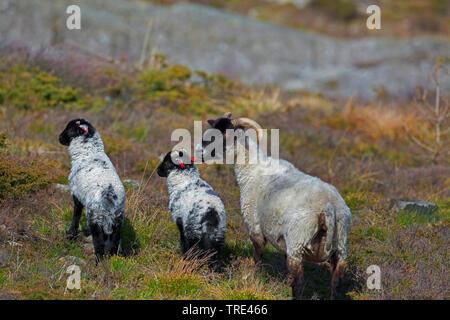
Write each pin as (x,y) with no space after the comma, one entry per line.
(362,149)
(242,48)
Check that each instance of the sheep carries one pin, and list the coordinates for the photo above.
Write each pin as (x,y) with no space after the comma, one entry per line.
(95,185)
(300,215)
(195,208)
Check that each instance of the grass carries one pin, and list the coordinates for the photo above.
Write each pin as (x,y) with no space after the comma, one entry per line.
(361,150)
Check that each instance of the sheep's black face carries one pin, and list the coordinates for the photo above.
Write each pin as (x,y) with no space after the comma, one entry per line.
(174,160)
(76,128)
(222,124)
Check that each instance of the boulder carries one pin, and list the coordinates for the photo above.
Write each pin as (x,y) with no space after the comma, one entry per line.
(417,206)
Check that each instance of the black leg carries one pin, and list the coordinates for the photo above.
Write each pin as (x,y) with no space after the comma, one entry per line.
(98,237)
(183,240)
(72,233)
(115,239)
(216,259)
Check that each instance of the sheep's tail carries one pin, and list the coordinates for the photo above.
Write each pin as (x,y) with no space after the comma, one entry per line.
(327,221)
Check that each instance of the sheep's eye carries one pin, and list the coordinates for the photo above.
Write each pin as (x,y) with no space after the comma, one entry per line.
(180,154)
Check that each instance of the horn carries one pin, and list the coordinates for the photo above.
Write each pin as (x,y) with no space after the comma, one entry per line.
(246,122)
(227,115)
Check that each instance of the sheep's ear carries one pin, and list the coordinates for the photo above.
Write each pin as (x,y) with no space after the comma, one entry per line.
(211,122)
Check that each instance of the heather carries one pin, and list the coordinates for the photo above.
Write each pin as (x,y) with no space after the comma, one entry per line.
(361,147)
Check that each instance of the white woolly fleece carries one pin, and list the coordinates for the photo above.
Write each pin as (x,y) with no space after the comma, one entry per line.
(282,203)
(93,180)
(190,200)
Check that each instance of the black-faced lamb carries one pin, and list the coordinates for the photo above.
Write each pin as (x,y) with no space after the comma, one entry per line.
(300,215)
(95,185)
(195,208)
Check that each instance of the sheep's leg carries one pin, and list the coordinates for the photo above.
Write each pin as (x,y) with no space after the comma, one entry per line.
(72,233)
(337,272)
(216,257)
(295,267)
(259,243)
(183,240)
(115,239)
(98,237)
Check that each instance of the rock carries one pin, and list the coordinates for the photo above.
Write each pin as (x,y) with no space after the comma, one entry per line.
(132,183)
(62,187)
(74,260)
(418,206)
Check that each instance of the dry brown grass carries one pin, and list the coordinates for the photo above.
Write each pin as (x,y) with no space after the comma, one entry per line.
(378,122)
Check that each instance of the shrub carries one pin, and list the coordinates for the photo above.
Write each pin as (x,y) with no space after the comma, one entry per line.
(29,88)
(376,122)
(153,82)
(18,177)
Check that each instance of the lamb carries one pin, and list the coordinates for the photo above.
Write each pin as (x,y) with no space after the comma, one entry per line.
(195,208)
(95,185)
(300,215)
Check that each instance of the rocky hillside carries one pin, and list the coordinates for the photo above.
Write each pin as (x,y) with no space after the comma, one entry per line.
(242,48)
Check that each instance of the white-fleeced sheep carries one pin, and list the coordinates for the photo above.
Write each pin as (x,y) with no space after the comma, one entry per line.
(195,208)
(95,185)
(300,215)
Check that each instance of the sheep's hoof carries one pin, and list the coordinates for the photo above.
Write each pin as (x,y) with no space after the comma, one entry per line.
(71,235)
